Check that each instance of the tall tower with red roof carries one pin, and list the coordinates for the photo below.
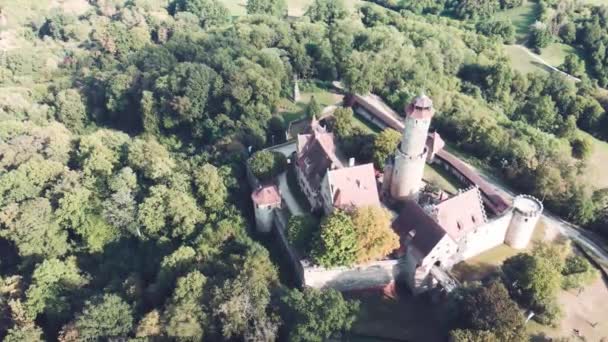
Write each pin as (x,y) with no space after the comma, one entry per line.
(411,153)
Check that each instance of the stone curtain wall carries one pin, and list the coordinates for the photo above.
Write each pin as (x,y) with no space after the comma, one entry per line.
(279,227)
(488,236)
(370,275)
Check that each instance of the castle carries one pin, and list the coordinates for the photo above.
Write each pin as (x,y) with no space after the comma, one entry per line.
(435,234)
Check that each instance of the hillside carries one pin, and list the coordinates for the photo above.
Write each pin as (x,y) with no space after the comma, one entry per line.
(127,126)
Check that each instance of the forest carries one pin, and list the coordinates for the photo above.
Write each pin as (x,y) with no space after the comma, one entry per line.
(125,125)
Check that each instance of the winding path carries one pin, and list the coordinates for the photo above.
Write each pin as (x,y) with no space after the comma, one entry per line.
(543,62)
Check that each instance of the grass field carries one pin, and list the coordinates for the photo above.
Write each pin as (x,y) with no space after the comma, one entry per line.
(292,111)
(595,171)
(521,17)
(442,178)
(523,62)
(486,263)
(556,53)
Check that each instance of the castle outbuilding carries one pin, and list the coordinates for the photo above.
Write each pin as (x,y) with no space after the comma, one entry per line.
(265,200)
(326,179)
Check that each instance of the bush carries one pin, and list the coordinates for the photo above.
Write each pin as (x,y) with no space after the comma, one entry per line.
(266,165)
(577,272)
(300,232)
(581,148)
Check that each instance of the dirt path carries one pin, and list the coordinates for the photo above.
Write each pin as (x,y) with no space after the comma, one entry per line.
(543,62)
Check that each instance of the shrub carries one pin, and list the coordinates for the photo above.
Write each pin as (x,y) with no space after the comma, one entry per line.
(581,147)
(265,165)
(301,230)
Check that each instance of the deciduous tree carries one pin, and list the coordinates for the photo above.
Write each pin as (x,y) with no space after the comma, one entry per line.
(315,315)
(375,237)
(385,144)
(268,7)
(103,317)
(337,241)
(489,309)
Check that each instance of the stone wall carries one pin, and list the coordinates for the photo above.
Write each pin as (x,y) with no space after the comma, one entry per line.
(486,237)
(358,277)
(279,227)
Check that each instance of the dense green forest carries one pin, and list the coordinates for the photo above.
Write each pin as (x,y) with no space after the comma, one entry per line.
(125,124)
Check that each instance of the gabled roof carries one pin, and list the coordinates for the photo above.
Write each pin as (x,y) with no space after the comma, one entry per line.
(316,153)
(413,218)
(266,195)
(354,186)
(461,213)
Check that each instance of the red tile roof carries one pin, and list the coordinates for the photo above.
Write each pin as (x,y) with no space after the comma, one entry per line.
(494,200)
(421,108)
(460,214)
(436,142)
(427,231)
(266,195)
(354,186)
(316,153)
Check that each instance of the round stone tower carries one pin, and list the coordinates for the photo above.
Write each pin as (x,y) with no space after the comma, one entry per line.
(265,200)
(410,156)
(526,212)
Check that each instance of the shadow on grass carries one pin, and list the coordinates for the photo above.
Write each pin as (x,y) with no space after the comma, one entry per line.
(542,66)
(406,318)
(466,272)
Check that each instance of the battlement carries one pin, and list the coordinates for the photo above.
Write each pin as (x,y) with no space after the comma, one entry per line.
(527,206)
(409,157)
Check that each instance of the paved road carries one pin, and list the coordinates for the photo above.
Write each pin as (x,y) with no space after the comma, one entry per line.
(565,228)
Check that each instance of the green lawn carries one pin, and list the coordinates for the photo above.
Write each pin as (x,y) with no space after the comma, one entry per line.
(521,17)
(439,176)
(556,53)
(595,2)
(488,262)
(292,111)
(595,171)
(523,62)
(367,127)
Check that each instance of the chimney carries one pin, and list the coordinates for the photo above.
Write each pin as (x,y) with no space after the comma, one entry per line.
(410,236)
(351,162)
